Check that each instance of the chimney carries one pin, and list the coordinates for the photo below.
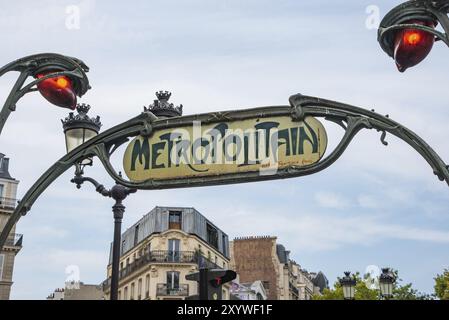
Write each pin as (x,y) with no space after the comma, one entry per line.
(4,167)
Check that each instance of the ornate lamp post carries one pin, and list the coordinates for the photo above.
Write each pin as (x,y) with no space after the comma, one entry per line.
(60,79)
(407,33)
(386,283)
(348,284)
(78,129)
(118,193)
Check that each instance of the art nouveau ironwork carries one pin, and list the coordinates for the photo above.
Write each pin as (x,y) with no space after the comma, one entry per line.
(350,118)
(418,15)
(47,66)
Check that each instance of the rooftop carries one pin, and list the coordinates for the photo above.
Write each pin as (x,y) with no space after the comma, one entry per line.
(4,168)
(190,221)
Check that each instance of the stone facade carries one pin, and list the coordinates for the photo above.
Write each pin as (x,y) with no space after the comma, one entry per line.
(78,291)
(155,266)
(261,258)
(8,191)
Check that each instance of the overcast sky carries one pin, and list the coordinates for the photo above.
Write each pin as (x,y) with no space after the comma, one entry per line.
(376,205)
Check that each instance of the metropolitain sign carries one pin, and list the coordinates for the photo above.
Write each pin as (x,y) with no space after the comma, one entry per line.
(259,145)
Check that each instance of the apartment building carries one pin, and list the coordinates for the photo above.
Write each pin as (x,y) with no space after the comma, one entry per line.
(8,201)
(163,247)
(261,258)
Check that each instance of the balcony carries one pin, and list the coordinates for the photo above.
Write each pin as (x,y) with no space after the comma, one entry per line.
(8,203)
(162,257)
(14,240)
(164,290)
(293,289)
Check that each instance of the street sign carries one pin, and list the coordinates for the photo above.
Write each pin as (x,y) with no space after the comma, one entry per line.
(208,150)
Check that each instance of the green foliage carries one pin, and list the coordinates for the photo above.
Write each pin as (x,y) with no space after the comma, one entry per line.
(362,292)
(442,285)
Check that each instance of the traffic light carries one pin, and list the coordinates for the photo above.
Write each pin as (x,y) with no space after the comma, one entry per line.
(58,90)
(411,46)
(210,282)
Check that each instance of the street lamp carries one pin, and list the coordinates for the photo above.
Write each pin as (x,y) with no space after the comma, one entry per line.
(407,33)
(118,193)
(59,79)
(386,283)
(79,128)
(348,284)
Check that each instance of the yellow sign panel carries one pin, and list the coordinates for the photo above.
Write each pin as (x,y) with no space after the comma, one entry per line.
(231,147)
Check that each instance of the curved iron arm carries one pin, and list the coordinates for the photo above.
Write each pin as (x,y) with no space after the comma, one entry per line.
(31,66)
(351,118)
(79,179)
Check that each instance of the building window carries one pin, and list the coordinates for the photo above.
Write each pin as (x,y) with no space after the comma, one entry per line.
(174,219)
(147,286)
(1,190)
(216,260)
(119,295)
(125,295)
(121,265)
(172,280)
(136,235)
(139,289)
(212,236)
(224,246)
(2,260)
(127,262)
(173,250)
(131,294)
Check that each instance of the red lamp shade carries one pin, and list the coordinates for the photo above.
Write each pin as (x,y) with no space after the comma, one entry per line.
(412,46)
(58,91)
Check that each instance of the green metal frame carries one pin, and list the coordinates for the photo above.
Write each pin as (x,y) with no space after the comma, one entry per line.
(33,65)
(426,10)
(351,118)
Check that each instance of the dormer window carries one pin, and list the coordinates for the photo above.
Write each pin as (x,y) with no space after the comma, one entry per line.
(212,236)
(174,219)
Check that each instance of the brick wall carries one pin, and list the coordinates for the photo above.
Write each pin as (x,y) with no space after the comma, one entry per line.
(252,259)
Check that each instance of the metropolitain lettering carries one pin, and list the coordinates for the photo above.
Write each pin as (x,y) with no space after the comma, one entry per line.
(199,149)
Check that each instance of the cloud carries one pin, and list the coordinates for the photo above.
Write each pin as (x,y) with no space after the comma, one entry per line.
(331,200)
(322,232)
(367,201)
(44,270)
(218,56)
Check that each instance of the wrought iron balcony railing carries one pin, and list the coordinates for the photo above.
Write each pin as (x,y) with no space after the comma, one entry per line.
(164,256)
(8,203)
(163,290)
(293,289)
(14,240)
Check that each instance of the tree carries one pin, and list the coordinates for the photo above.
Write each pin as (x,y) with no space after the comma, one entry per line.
(442,285)
(406,291)
(363,292)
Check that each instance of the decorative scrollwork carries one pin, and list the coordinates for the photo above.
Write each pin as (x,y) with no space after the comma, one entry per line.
(351,118)
(382,137)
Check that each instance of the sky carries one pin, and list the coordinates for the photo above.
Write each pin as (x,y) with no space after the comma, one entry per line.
(376,206)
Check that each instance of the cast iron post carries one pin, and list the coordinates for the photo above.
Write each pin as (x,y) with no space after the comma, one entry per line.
(202,285)
(118,193)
